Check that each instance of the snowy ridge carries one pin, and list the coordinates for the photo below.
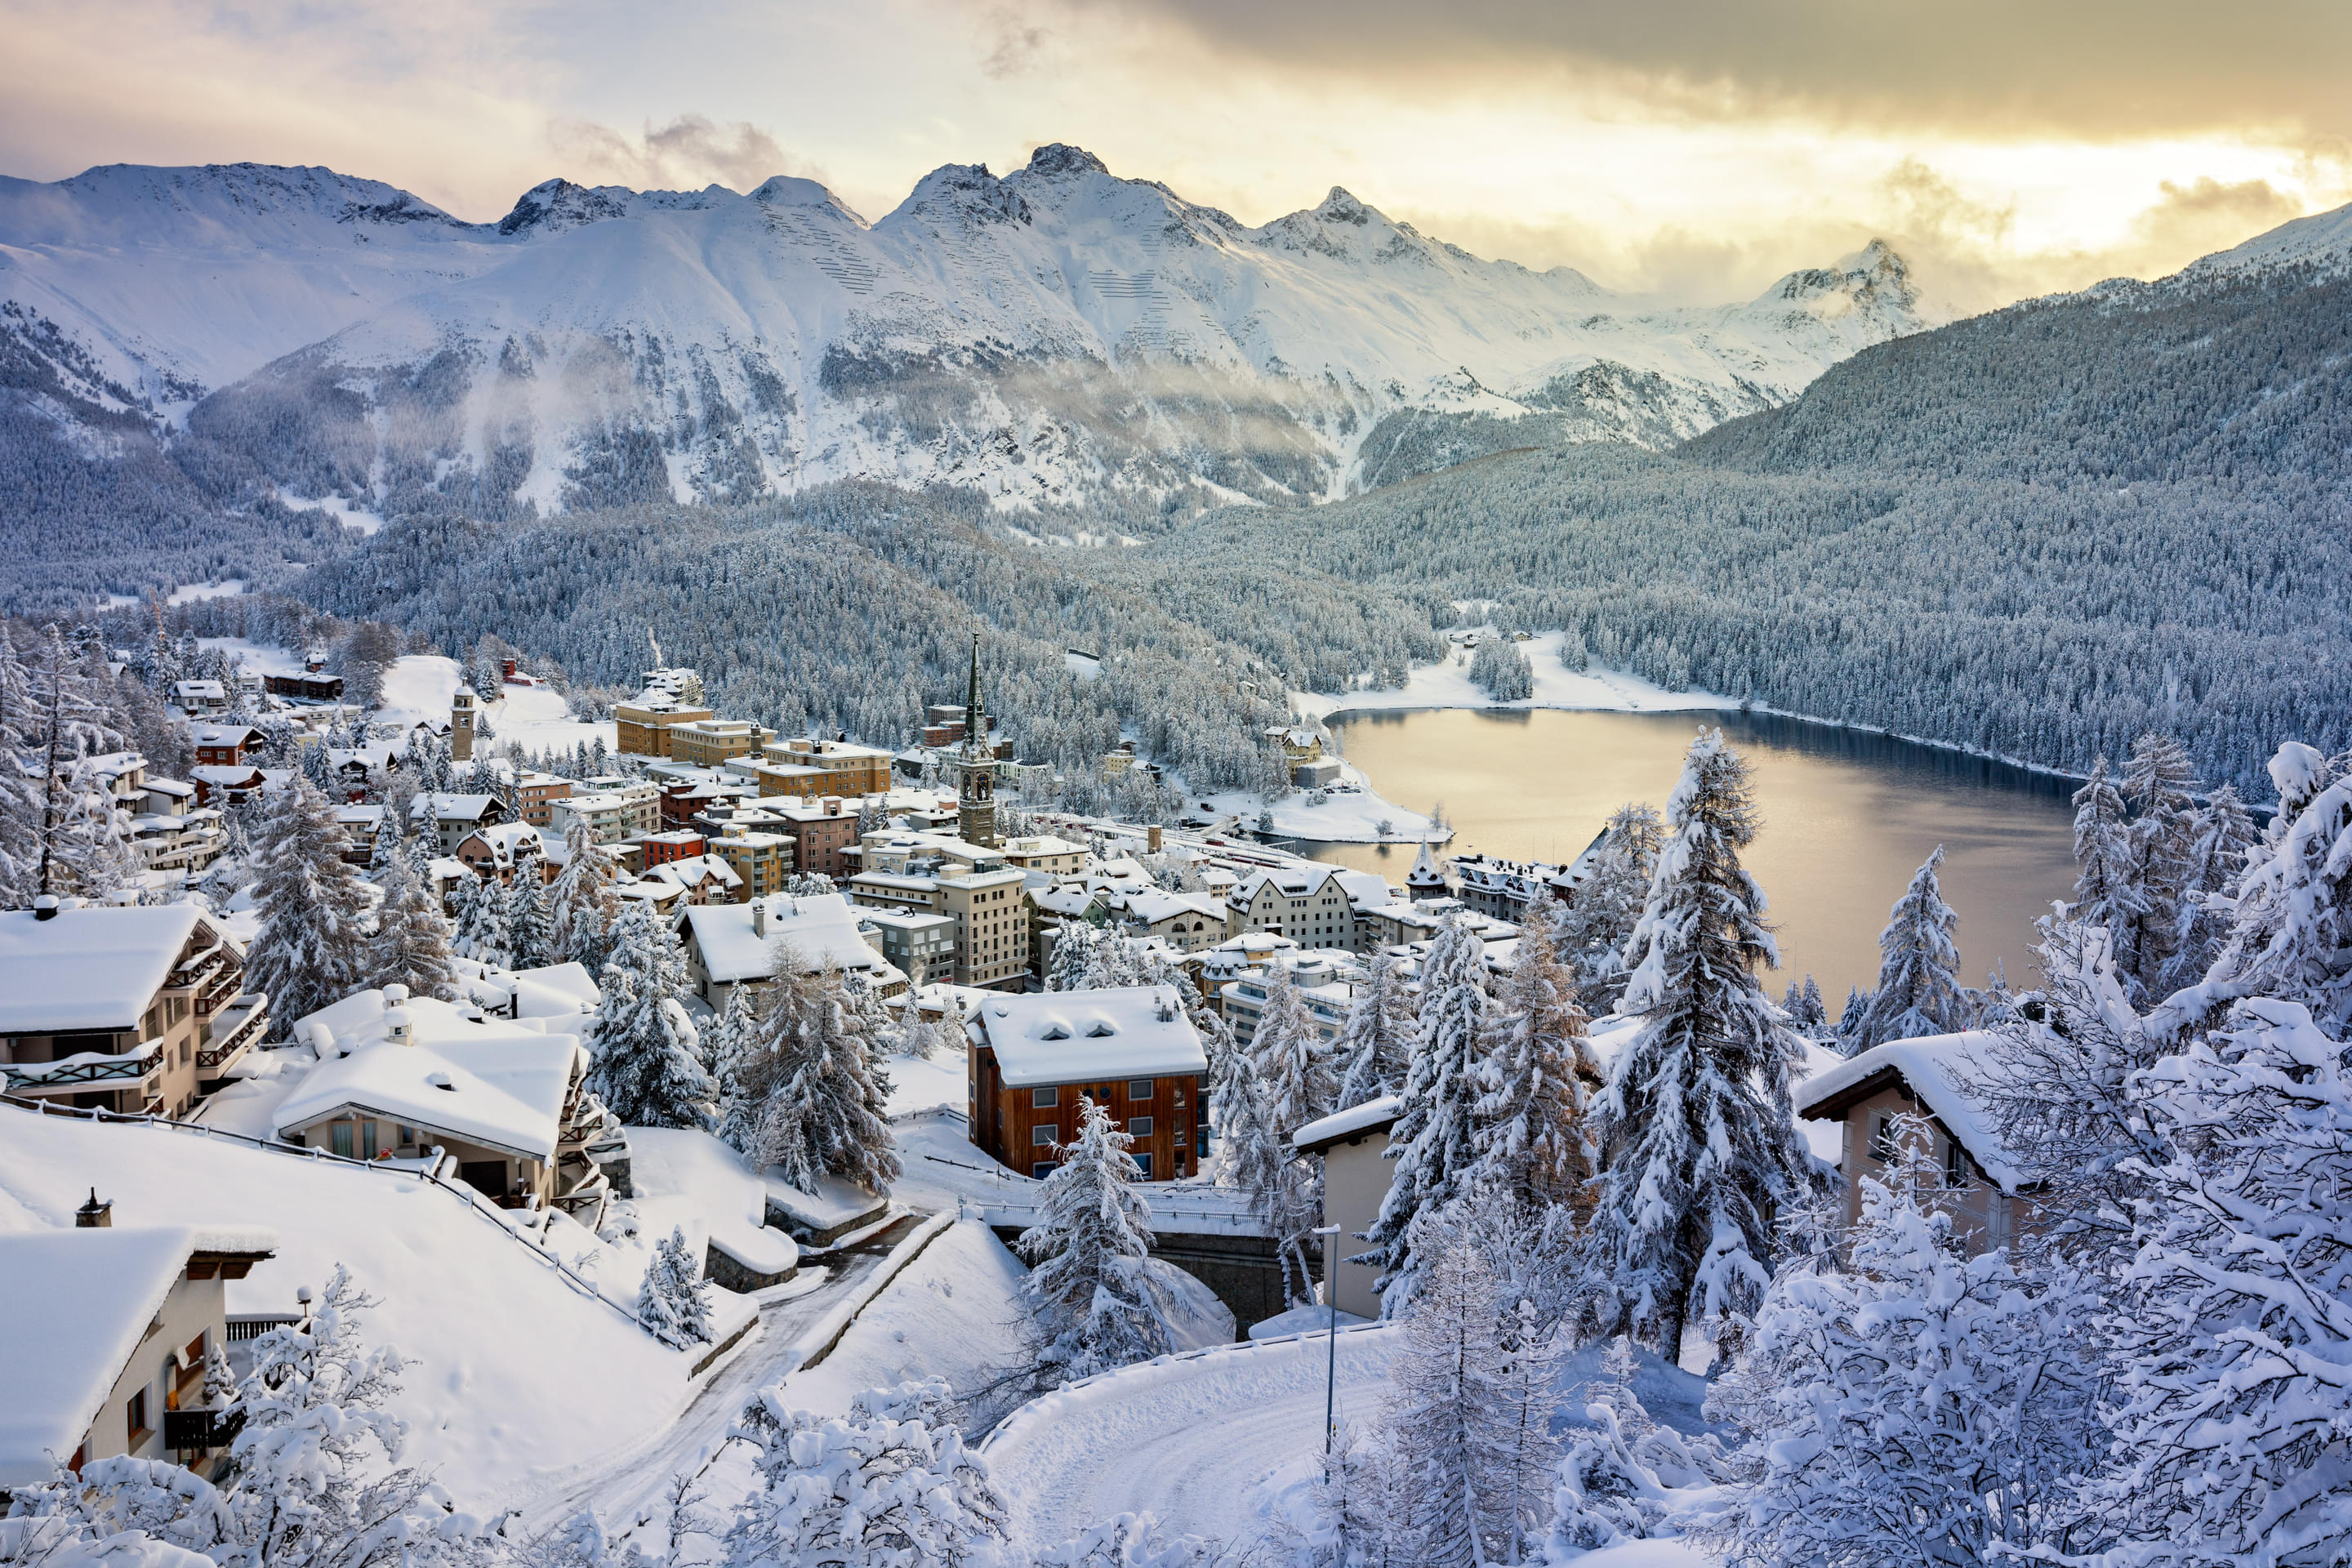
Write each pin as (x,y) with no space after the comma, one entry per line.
(1055,335)
(2322,242)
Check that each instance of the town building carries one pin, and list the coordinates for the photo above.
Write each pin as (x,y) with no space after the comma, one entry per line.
(673,844)
(918,943)
(503,1100)
(1187,923)
(729,945)
(822,833)
(136,1008)
(984,896)
(1427,878)
(1030,1060)
(1406,926)
(1057,858)
(505,849)
(451,818)
(710,742)
(109,1331)
(762,862)
(697,879)
(464,710)
(1507,890)
(614,809)
(225,745)
(1937,1079)
(200,699)
(1327,990)
(976,788)
(833,767)
(1353,1144)
(536,794)
(170,832)
(1307,903)
(225,785)
(642,728)
(310,686)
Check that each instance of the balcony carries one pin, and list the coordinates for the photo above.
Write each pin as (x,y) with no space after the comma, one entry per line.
(242,1024)
(186,1431)
(84,1067)
(201,970)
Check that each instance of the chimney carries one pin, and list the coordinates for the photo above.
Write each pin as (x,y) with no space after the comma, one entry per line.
(833,806)
(759,917)
(395,1027)
(94,1214)
(45,907)
(395,995)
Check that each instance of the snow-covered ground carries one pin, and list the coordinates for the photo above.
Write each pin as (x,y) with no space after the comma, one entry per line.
(690,1182)
(1188,1438)
(259,657)
(1448,684)
(927,1083)
(537,719)
(188,593)
(1350,813)
(517,1374)
(950,1314)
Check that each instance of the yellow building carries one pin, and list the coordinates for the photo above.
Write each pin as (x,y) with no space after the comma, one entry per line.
(764,861)
(709,743)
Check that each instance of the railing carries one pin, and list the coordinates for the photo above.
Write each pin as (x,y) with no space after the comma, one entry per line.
(200,969)
(257,1024)
(198,1429)
(85,1067)
(243,1326)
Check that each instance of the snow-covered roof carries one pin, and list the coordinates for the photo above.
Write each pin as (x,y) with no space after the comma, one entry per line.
(555,991)
(693,870)
(88,968)
(224,734)
(443,807)
(1066,1036)
(820,928)
(1371,1115)
(1940,1070)
(174,788)
(77,1302)
(234,776)
(1151,906)
(505,840)
(496,1081)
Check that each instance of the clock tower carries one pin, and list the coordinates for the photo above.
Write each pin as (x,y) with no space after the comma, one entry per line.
(976,788)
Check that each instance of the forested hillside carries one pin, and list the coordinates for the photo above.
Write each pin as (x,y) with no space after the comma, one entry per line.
(2037,532)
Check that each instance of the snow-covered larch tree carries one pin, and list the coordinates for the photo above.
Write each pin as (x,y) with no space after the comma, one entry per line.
(1292,1063)
(312,949)
(411,945)
(1915,1404)
(581,904)
(1435,1141)
(648,1058)
(1591,932)
(2221,836)
(728,1041)
(1092,1302)
(828,1109)
(1534,1078)
(673,1302)
(1695,1128)
(1918,983)
(1374,1048)
(2160,786)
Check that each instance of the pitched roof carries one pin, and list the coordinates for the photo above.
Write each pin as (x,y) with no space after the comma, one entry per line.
(820,929)
(1372,1116)
(1941,1070)
(77,1304)
(96,967)
(1070,1036)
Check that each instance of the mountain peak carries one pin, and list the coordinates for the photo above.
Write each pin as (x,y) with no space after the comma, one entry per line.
(1341,208)
(551,206)
(1061,158)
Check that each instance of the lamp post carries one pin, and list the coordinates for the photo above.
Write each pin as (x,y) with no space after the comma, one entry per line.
(1329,1234)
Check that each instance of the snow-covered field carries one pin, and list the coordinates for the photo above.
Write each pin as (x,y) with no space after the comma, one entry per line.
(539,720)
(516,1374)
(1448,684)
(1351,814)
(1188,1438)
(950,1314)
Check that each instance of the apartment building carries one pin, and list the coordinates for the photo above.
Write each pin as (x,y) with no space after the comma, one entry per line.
(615,809)
(762,861)
(711,743)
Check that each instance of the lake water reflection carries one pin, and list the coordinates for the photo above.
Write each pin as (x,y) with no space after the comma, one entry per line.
(1847,818)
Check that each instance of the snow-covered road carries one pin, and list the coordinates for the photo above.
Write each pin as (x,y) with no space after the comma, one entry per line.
(1188,1438)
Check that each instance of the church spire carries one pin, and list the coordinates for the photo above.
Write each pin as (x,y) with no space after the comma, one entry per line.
(975,715)
(976,788)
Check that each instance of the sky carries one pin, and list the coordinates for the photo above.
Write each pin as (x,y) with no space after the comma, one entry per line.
(1695,149)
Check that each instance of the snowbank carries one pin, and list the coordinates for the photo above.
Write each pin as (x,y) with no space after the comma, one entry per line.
(1448,685)
(690,1181)
(1351,813)
(418,690)
(516,1374)
(952,1314)
(926,1083)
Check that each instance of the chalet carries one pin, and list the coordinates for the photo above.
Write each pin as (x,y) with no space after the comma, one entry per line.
(453,816)
(226,785)
(503,849)
(225,745)
(1308,904)
(503,1100)
(124,1008)
(729,945)
(1353,1144)
(171,833)
(109,1331)
(310,686)
(1933,1079)
(1130,1049)
(359,820)
(696,879)
(200,699)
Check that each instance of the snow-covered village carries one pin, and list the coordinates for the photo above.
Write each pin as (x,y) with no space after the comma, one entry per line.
(1629,845)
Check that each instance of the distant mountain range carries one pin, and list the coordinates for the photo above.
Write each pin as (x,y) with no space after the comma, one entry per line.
(1057,337)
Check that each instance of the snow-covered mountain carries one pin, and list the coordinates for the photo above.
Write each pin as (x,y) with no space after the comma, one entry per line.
(1058,335)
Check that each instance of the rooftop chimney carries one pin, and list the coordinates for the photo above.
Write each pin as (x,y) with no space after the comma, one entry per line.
(833,806)
(395,995)
(395,1027)
(759,917)
(45,907)
(94,1214)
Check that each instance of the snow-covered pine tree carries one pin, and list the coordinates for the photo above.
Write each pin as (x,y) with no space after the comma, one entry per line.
(311,948)
(481,933)
(1469,1429)
(64,826)
(1374,1049)
(1917,1404)
(672,1302)
(1919,985)
(2221,834)
(2106,883)
(1091,1300)
(1850,1017)
(891,1485)
(728,1042)
(582,906)
(2232,1322)
(1078,946)
(1501,670)
(827,1114)
(1697,1134)
(648,1058)
(529,930)
(386,846)
(1435,1141)
(1292,1063)
(20,787)
(2160,786)
(1534,1074)
(1591,932)
(411,945)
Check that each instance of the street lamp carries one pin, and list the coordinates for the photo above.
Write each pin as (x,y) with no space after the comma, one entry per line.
(1331,1359)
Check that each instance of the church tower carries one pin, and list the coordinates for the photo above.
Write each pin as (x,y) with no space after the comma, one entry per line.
(976,789)
(1427,878)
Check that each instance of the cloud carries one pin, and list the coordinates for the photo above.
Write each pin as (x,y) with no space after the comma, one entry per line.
(2010,66)
(1016,45)
(688,154)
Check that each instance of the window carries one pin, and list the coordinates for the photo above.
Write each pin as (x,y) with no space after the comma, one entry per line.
(1956,1163)
(1041,1097)
(339,1139)
(1043,1136)
(135,1417)
(1138,1126)
(1143,1164)
(1041,1168)
(1881,1138)
(1140,1089)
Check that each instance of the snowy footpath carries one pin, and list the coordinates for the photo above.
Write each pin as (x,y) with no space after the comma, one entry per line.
(1187,1437)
